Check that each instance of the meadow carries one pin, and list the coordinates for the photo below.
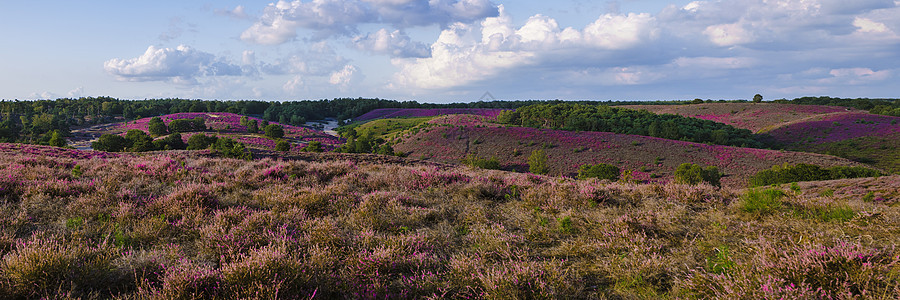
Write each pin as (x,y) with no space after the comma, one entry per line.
(187,225)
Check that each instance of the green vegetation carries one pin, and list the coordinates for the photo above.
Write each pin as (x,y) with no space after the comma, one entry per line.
(314,146)
(688,173)
(805,172)
(474,161)
(282,145)
(578,117)
(889,107)
(537,162)
(274,131)
(187,125)
(599,171)
(157,127)
(761,201)
(200,141)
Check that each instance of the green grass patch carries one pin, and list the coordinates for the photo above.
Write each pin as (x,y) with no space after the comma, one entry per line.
(761,201)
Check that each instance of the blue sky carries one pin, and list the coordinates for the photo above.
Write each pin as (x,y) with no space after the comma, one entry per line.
(450,50)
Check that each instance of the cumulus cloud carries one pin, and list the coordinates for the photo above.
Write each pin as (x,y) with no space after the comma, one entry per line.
(741,44)
(319,59)
(280,21)
(395,44)
(238,12)
(182,64)
(344,77)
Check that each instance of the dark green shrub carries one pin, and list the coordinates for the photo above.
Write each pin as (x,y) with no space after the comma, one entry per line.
(600,171)
(185,125)
(139,140)
(252,126)
(537,162)
(200,141)
(171,142)
(157,127)
(57,140)
(110,143)
(480,162)
(282,145)
(274,131)
(688,173)
(806,172)
(314,146)
(232,149)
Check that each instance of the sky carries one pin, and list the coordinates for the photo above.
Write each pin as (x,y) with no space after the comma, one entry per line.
(450,50)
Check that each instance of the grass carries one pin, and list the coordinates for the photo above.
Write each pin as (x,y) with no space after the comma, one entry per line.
(181,225)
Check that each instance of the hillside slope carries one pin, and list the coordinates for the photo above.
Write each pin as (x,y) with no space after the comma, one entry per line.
(169,225)
(753,116)
(451,138)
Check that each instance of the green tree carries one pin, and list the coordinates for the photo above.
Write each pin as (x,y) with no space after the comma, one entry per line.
(139,140)
(757,98)
(274,131)
(252,126)
(110,143)
(244,121)
(157,127)
(171,142)
(57,140)
(537,162)
(200,141)
(314,146)
(282,145)
(232,149)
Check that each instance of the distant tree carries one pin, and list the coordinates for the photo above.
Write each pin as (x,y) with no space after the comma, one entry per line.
(274,131)
(697,101)
(314,146)
(232,149)
(537,162)
(243,121)
(757,98)
(139,140)
(57,140)
(110,143)
(474,161)
(171,142)
(157,127)
(282,145)
(600,171)
(200,141)
(688,173)
(252,126)
(187,125)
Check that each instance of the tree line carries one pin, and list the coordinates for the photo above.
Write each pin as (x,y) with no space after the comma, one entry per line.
(582,117)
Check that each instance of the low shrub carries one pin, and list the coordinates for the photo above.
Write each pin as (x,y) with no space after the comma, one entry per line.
(761,201)
(599,171)
(806,172)
(688,173)
(474,161)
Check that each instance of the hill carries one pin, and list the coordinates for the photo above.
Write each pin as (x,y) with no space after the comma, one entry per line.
(755,117)
(451,138)
(174,225)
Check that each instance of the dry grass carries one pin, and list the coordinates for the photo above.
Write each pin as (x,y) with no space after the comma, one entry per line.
(174,226)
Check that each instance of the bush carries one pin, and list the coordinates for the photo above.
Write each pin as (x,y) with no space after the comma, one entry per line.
(806,172)
(761,201)
(314,146)
(232,149)
(200,141)
(474,161)
(110,143)
(139,141)
(274,131)
(252,126)
(688,173)
(537,162)
(600,171)
(282,145)
(185,125)
(157,127)
(171,142)
(57,140)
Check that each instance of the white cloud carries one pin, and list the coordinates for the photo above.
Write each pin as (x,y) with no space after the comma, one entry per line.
(865,25)
(855,76)
(280,21)
(180,65)
(294,86)
(318,60)
(345,76)
(77,92)
(238,12)
(621,31)
(728,34)
(395,44)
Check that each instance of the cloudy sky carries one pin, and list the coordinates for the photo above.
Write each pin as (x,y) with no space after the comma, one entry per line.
(450,50)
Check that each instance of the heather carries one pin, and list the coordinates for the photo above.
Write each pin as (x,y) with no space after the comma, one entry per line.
(176,225)
(752,116)
(451,139)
